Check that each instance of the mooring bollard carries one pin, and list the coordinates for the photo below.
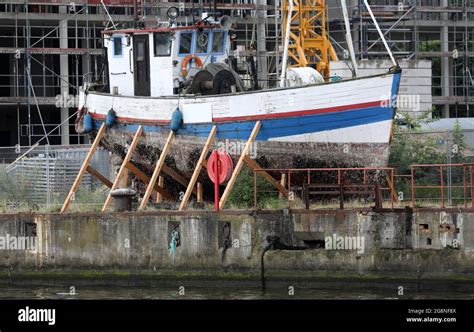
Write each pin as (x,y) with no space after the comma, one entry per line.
(123,199)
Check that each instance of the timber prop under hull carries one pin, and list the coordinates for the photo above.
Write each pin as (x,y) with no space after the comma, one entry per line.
(185,151)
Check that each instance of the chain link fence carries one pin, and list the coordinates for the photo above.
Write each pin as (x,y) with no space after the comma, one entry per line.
(39,177)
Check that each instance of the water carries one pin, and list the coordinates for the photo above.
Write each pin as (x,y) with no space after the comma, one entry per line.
(223,293)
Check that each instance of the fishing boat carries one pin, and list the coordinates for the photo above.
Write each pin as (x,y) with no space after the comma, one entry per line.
(157,72)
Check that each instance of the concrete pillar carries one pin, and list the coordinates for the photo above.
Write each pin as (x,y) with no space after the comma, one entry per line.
(64,72)
(261,44)
(445,59)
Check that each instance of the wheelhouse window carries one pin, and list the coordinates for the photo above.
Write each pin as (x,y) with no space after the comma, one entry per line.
(117,46)
(202,43)
(162,42)
(218,41)
(185,42)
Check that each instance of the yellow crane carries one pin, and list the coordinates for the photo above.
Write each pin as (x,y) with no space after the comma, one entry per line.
(309,43)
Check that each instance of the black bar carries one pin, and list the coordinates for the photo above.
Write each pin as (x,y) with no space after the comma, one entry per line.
(382,314)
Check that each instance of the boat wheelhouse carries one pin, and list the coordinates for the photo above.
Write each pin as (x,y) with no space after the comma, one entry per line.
(156,62)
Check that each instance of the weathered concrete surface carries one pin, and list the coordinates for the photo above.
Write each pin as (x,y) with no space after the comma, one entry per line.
(398,245)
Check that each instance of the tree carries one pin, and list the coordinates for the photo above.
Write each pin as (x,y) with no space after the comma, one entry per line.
(410,146)
(458,145)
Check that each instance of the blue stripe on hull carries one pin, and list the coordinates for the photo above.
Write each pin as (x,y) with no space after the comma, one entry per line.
(396,84)
(278,127)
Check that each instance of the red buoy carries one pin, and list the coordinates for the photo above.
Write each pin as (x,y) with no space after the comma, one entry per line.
(225,166)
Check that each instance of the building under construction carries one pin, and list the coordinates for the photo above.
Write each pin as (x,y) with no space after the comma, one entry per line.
(49,49)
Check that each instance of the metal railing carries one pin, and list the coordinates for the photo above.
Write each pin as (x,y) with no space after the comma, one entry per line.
(450,184)
(427,185)
(298,181)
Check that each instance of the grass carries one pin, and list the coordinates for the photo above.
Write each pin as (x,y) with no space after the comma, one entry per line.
(89,200)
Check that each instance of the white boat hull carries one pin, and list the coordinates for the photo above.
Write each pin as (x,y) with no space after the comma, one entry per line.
(342,123)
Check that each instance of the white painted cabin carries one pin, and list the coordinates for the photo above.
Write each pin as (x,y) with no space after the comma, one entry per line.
(148,62)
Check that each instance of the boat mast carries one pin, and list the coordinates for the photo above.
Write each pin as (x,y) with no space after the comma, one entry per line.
(350,45)
(286,45)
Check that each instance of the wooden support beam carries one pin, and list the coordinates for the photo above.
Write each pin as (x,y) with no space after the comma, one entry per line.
(161,182)
(239,165)
(83,168)
(283,183)
(198,168)
(199,192)
(393,193)
(156,172)
(146,179)
(253,164)
(378,196)
(176,176)
(124,183)
(122,169)
(99,176)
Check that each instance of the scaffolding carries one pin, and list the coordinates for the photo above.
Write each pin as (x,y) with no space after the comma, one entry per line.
(52,48)
(438,30)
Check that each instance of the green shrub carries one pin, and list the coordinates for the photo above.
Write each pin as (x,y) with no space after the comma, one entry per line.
(409,146)
(242,195)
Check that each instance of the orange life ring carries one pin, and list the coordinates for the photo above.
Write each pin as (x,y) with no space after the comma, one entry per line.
(187,59)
